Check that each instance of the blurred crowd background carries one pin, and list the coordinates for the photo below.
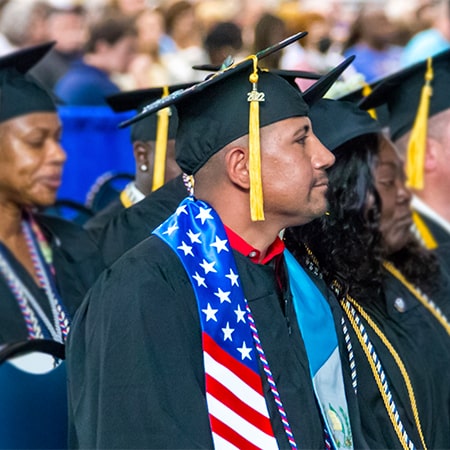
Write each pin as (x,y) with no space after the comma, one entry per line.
(106,46)
(168,37)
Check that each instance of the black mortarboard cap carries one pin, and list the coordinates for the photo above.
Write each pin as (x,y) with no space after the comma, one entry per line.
(401,93)
(335,122)
(145,130)
(215,112)
(20,93)
(232,103)
(158,127)
(289,75)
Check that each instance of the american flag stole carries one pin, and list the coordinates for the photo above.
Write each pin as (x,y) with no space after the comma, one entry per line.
(237,409)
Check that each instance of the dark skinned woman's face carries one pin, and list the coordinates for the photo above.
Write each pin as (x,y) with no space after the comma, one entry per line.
(396,218)
(31,159)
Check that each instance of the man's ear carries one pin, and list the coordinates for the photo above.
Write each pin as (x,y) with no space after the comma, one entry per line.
(236,162)
(432,154)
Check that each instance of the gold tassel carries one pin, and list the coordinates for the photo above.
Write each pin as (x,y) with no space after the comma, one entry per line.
(424,232)
(162,131)
(256,192)
(415,156)
(367,90)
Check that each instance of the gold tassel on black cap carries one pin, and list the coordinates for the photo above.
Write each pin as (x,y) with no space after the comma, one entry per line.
(162,132)
(256,192)
(367,90)
(415,156)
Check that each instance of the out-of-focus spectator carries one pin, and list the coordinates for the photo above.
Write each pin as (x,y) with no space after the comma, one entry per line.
(250,11)
(370,40)
(68,27)
(224,39)
(211,12)
(269,30)
(125,7)
(431,40)
(22,24)
(183,28)
(317,52)
(147,68)
(109,49)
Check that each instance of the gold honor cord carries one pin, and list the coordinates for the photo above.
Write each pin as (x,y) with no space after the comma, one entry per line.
(397,359)
(427,303)
(345,303)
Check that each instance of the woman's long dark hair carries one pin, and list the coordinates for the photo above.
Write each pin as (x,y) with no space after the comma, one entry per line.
(347,243)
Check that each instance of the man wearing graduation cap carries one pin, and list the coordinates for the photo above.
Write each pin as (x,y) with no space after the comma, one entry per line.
(418,103)
(153,140)
(134,224)
(190,339)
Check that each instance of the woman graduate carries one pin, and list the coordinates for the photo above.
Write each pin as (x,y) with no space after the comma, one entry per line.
(46,264)
(392,292)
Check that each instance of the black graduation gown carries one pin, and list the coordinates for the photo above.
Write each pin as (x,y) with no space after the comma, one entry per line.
(135,366)
(424,347)
(96,225)
(77,265)
(136,223)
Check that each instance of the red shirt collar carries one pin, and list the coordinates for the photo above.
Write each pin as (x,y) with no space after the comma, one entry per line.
(238,244)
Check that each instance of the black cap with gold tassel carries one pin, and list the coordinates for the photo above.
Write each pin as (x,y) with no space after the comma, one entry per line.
(256,192)
(222,108)
(401,93)
(415,155)
(162,131)
(158,128)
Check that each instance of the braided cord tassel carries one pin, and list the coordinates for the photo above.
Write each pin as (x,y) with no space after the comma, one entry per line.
(270,380)
(31,322)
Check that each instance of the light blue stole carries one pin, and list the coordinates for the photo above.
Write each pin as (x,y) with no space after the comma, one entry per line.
(319,335)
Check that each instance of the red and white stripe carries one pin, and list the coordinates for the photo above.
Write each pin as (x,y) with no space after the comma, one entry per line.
(237,408)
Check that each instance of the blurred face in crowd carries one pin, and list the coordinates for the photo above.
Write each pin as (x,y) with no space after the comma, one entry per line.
(376,29)
(150,28)
(31,159)
(68,29)
(119,54)
(396,218)
(131,7)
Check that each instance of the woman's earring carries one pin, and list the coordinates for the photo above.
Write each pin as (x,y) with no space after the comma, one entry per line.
(143,167)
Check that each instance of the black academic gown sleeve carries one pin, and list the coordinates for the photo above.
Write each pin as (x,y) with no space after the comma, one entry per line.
(77,264)
(96,224)
(136,223)
(424,349)
(76,257)
(135,366)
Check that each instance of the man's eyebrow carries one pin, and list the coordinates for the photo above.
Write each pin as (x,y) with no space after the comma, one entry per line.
(302,130)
